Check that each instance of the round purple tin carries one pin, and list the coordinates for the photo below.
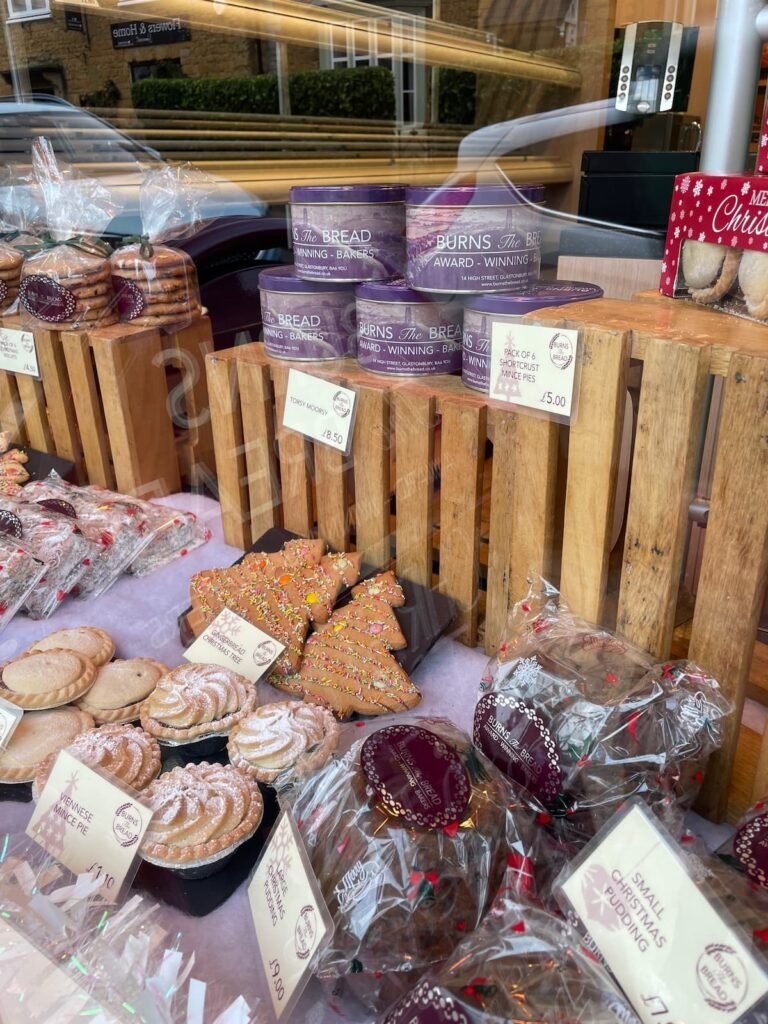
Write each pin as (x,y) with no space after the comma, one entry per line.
(305,319)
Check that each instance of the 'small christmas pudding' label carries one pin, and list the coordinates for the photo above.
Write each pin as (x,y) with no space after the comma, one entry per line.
(516,738)
(428,1004)
(417,776)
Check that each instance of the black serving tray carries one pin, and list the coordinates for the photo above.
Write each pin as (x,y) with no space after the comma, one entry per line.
(41,464)
(424,617)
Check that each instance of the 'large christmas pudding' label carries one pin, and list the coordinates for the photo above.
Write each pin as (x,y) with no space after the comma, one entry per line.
(427,1004)
(417,776)
(517,740)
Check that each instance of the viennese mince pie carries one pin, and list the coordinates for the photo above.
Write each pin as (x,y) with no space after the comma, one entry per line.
(46,679)
(201,813)
(124,752)
(38,735)
(120,689)
(282,736)
(94,643)
(195,701)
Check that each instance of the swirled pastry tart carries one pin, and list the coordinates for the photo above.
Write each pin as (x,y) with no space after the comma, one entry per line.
(201,813)
(195,701)
(125,752)
(281,737)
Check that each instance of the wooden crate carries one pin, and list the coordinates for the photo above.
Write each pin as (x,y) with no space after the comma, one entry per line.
(552,489)
(127,405)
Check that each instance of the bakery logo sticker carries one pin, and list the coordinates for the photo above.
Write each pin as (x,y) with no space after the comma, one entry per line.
(417,776)
(428,1004)
(126,825)
(750,848)
(10,716)
(46,299)
(59,506)
(722,978)
(3,291)
(516,738)
(561,350)
(356,883)
(10,524)
(305,932)
(230,641)
(130,299)
(342,405)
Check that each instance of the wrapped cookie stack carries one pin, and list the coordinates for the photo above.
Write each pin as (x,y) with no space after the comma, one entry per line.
(156,285)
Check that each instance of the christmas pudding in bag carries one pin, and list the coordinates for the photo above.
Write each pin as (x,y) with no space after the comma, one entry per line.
(411,834)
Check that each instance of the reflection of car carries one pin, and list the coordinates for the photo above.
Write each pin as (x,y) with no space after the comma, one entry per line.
(97,149)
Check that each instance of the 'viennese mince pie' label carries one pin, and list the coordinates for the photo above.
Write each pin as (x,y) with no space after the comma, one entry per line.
(416,775)
(428,1004)
(516,738)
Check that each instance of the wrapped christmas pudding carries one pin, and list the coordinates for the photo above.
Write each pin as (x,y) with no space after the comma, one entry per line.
(411,834)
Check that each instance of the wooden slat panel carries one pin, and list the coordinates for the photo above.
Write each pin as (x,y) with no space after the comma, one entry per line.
(523,507)
(332,517)
(593,462)
(463,432)
(59,399)
(258,413)
(36,423)
(11,412)
(135,396)
(224,393)
(294,455)
(414,467)
(88,408)
(190,406)
(734,567)
(371,469)
(669,425)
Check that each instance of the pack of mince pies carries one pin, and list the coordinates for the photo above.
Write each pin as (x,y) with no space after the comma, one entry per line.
(68,284)
(20,573)
(156,284)
(583,720)
(411,834)
(521,966)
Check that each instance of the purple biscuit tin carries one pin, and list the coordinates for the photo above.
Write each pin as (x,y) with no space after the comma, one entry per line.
(306,319)
(348,232)
(406,333)
(473,238)
(482,311)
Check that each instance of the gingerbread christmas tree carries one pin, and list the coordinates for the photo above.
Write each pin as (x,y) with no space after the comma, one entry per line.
(347,664)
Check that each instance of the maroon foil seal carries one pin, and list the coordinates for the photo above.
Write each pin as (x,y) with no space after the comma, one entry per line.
(417,776)
(518,741)
(10,524)
(750,848)
(3,291)
(47,300)
(428,1004)
(130,299)
(58,505)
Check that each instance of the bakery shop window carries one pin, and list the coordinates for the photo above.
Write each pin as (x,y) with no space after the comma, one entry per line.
(28,10)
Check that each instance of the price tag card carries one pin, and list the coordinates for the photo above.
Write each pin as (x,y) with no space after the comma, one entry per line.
(18,353)
(10,716)
(675,957)
(534,367)
(89,824)
(232,642)
(290,917)
(319,409)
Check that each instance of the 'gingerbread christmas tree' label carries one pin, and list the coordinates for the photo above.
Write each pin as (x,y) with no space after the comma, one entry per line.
(417,776)
(516,738)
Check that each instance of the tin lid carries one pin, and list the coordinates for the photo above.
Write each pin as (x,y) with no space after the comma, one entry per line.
(541,295)
(394,290)
(284,279)
(479,195)
(362,193)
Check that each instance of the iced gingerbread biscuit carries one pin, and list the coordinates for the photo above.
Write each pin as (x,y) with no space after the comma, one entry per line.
(95,644)
(10,276)
(68,286)
(156,285)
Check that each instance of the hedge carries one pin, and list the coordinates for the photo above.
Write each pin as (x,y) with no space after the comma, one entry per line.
(349,92)
(456,96)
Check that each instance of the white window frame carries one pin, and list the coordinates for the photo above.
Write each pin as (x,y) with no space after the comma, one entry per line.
(22,10)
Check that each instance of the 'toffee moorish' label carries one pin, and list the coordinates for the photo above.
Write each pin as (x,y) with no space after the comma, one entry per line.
(417,776)
(750,847)
(46,299)
(517,740)
(130,300)
(428,1004)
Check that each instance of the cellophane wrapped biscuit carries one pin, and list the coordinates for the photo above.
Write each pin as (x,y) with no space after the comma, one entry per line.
(20,572)
(522,966)
(21,225)
(156,284)
(583,720)
(118,529)
(411,835)
(68,283)
(58,542)
(174,532)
